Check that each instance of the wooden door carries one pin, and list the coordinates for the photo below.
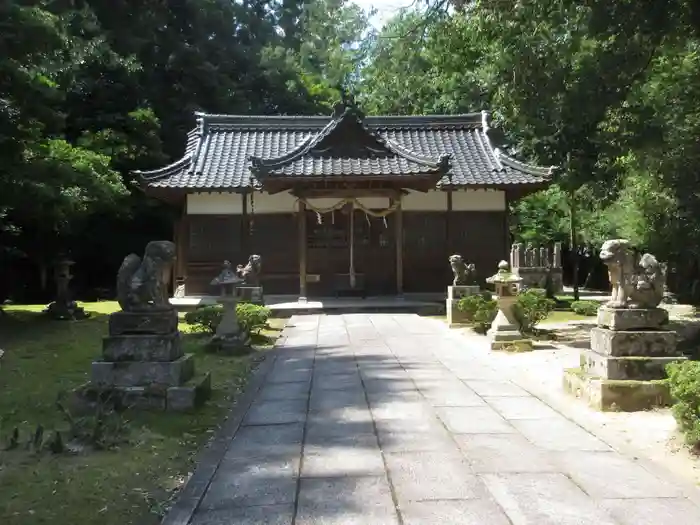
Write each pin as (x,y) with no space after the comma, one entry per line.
(375,252)
(328,251)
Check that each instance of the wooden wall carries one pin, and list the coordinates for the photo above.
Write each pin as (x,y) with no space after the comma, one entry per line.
(429,238)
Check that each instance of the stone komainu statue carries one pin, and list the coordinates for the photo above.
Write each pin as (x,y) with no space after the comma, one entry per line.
(250,273)
(634,285)
(142,284)
(464,273)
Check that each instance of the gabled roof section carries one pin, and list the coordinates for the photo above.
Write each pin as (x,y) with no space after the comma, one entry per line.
(347,147)
(238,153)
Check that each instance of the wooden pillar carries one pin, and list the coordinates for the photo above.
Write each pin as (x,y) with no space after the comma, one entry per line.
(245,228)
(448,221)
(399,246)
(302,249)
(181,240)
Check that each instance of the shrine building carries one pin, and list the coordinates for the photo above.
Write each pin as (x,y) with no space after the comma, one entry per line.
(346,204)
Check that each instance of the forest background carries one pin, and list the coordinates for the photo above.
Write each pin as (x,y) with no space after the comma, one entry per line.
(90,90)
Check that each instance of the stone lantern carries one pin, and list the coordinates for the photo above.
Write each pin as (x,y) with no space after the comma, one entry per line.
(229,337)
(64,307)
(505,332)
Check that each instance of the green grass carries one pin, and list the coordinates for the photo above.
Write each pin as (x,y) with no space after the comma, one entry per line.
(126,486)
(563,316)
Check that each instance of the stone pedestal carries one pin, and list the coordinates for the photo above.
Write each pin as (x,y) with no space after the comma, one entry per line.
(632,318)
(229,337)
(66,311)
(455,317)
(625,367)
(505,332)
(143,365)
(250,294)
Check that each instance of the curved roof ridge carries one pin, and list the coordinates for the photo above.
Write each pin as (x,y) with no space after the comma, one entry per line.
(257,162)
(165,170)
(531,169)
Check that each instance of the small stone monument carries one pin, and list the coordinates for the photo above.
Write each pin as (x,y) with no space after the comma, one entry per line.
(250,290)
(630,346)
(463,284)
(229,337)
(504,332)
(64,307)
(143,364)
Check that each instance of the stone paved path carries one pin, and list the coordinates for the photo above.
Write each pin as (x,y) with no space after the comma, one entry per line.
(387,419)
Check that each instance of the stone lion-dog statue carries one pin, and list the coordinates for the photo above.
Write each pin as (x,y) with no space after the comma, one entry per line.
(142,284)
(634,284)
(250,273)
(464,273)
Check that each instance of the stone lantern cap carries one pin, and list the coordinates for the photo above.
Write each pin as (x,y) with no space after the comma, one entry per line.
(504,275)
(227,278)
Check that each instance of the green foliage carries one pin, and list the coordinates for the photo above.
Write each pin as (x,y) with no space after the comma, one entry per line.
(480,310)
(205,318)
(83,102)
(532,307)
(251,317)
(684,382)
(585,307)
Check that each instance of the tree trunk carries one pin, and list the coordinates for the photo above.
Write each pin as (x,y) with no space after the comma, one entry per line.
(43,276)
(573,242)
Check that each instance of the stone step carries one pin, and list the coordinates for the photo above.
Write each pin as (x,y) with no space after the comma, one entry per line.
(640,343)
(143,373)
(188,396)
(142,347)
(625,368)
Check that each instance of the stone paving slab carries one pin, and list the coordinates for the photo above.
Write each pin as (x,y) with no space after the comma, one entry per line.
(545,499)
(385,419)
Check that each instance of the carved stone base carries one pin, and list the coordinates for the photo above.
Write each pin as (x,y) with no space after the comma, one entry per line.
(155,322)
(613,395)
(65,311)
(455,293)
(508,338)
(143,365)
(142,347)
(625,368)
(641,343)
(632,318)
(188,396)
(455,317)
(143,373)
(251,294)
(513,345)
(231,344)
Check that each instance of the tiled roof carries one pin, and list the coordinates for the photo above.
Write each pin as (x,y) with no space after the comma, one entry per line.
(346,147)
(227,152)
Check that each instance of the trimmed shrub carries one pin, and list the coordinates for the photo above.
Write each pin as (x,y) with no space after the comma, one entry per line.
(205,318)
(684,383)
(585,307)
(251,317)
(531,307)
(479,309)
